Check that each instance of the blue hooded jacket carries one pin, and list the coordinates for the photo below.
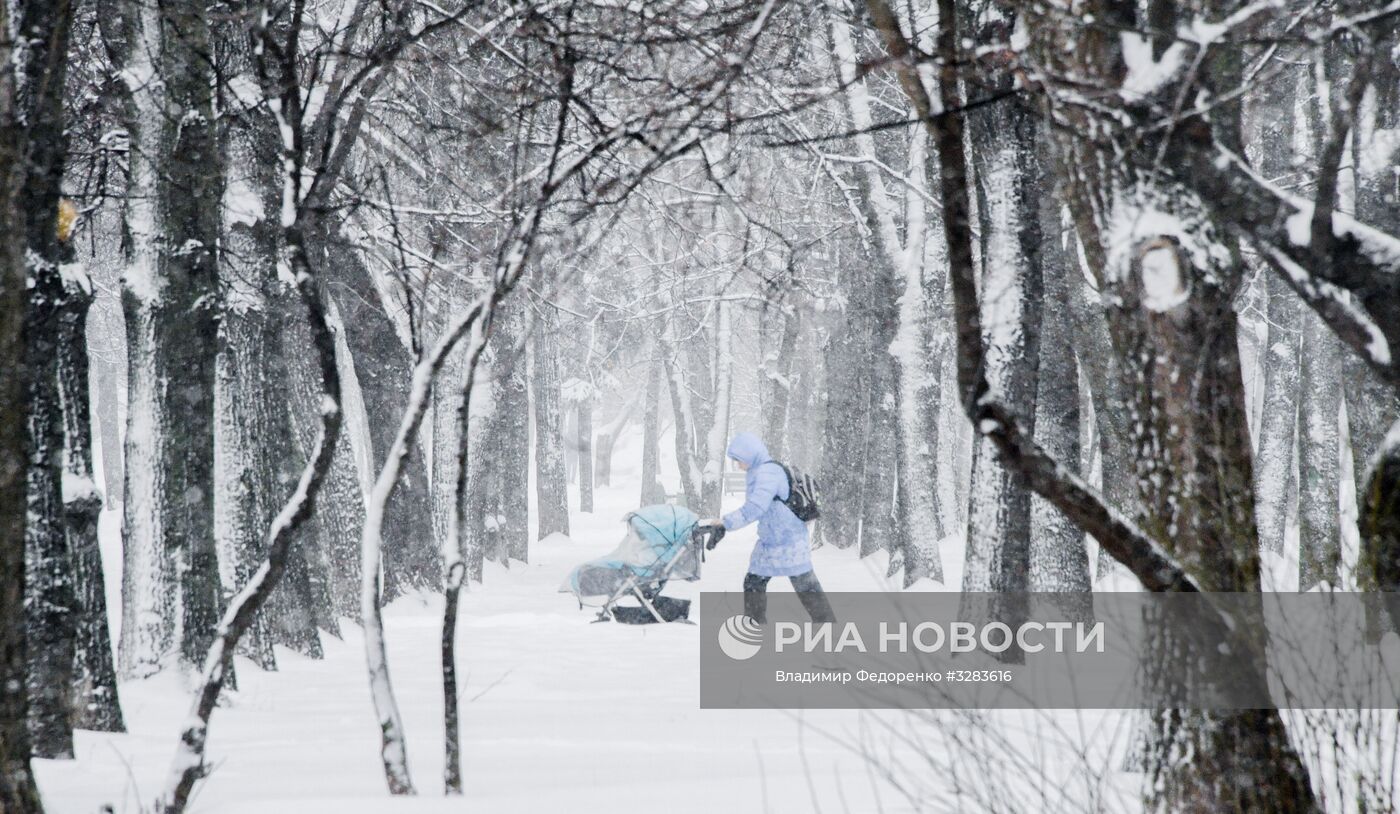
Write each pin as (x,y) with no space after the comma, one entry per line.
(782,550)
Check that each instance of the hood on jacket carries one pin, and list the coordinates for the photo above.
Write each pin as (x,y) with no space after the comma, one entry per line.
(748,448)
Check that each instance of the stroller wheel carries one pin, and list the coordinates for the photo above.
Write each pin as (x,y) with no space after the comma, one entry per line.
(603,616)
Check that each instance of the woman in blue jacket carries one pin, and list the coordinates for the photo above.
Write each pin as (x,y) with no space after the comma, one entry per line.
(783,549)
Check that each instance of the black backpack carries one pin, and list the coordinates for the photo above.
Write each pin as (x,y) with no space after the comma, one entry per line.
(803,495)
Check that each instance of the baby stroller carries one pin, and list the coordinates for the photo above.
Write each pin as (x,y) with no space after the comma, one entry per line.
(663,542)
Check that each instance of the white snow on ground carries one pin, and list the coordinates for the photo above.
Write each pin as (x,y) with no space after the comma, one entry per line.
(558,713)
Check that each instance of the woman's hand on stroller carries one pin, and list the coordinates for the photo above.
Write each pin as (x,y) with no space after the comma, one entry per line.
(710,532)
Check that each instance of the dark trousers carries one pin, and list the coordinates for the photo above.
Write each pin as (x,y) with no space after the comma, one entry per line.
(809,592)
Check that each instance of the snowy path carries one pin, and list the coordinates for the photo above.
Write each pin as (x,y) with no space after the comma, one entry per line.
(557,712)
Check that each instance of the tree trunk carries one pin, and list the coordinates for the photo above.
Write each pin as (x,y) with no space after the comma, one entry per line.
(1373,405)
(382,368)
(18,793)
(652,490)
(1274,460)
(1004,140)
(254,428)
(551,487)
(512,433)
(51,612)
(51,600)
(776,382)
(1319,520)
(1169,292)
(498,463)
(916,499)
(884,508)
(717,437)
(683,414)
(339,519)
(1274,150)
(1059,559)
(170,296)
(846,395)
(585,453)
(95,703)
(108,409)
(1110,405)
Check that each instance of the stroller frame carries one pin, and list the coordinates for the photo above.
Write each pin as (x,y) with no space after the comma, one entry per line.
(641,588)
(636,587)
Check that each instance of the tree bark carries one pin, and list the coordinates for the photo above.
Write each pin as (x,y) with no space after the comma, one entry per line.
(498,467)
(1005,141)
(846,395)
(585,453)
(254,427)
(1059,559)
(1278,425)
(95,704)
(512,433)
(170,296)
(717,436)
(652,490)
(18,792)
(382,368)
(339,519)
(776,382)
(683,414)
(109,411)
(1274,141)
(1110,405)
(551,486)
(1319,519)
(51,601)
(1373,404)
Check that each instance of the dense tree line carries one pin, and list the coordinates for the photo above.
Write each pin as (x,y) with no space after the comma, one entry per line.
(1044,281)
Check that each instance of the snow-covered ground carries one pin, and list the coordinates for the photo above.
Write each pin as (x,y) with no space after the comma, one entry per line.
(558,713)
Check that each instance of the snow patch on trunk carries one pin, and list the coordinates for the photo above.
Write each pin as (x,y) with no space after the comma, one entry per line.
(1164,287)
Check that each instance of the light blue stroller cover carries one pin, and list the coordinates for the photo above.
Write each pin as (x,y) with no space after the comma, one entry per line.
(657,548)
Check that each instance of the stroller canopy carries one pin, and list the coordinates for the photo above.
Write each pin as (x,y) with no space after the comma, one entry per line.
(657,547)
